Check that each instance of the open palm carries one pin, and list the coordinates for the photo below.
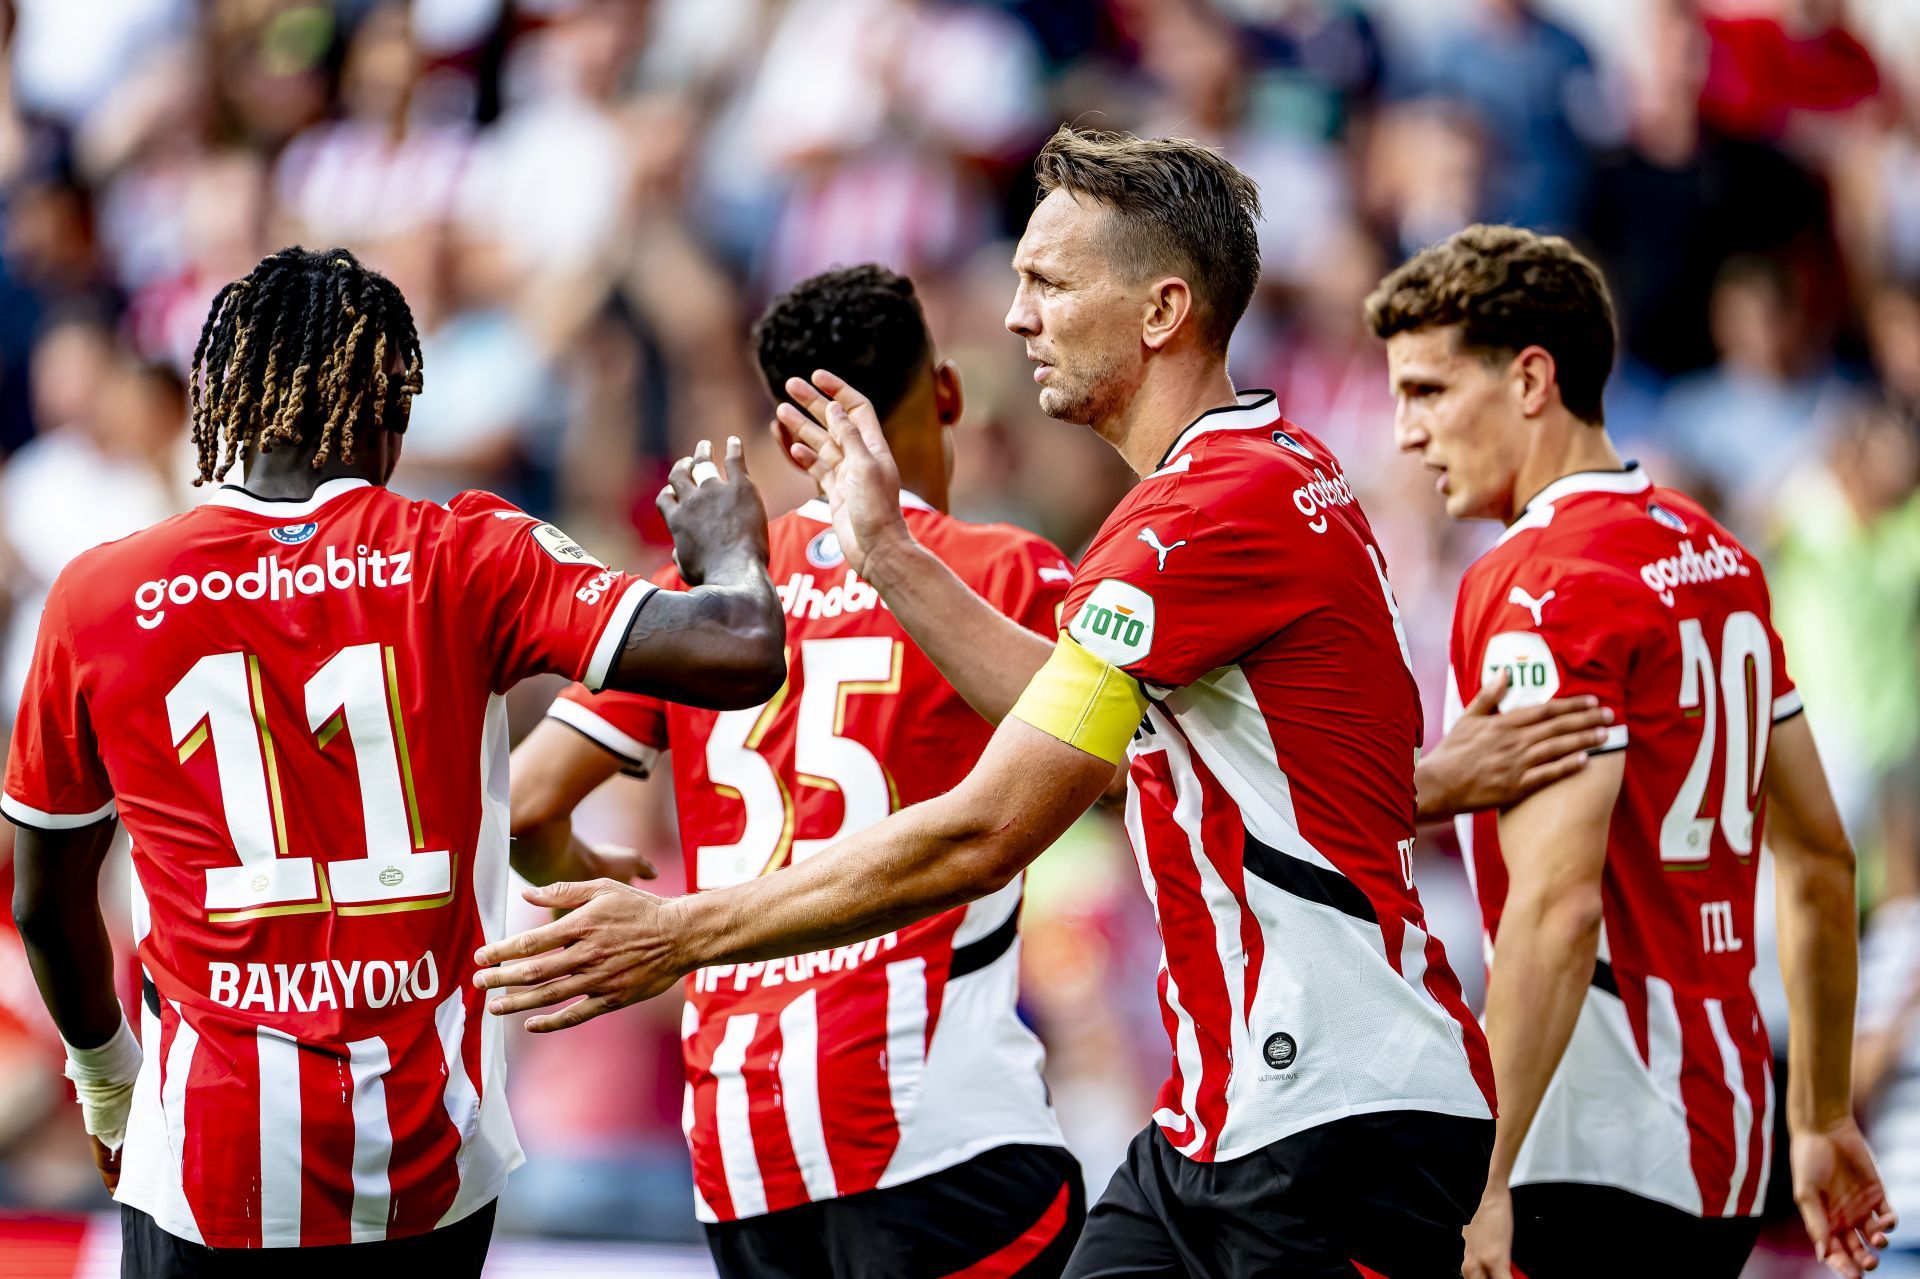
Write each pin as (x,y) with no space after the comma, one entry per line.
(839,440)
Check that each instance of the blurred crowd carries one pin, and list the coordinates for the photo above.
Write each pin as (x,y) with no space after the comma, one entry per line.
(587,201)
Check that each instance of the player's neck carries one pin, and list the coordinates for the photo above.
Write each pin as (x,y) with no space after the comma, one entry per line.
(288,475)
(1167,403)
(1563,449)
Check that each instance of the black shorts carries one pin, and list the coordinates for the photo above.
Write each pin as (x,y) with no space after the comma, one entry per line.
(1390,1191)
(452,1252)
(1016,1208)
(1566,1230)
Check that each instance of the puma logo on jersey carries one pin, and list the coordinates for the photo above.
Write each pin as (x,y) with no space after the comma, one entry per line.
(1314,499)
(1526,601)
(273,581)
(1689,567)
(1160,551)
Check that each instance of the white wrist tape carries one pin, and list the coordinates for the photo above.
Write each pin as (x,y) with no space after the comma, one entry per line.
(103,1081)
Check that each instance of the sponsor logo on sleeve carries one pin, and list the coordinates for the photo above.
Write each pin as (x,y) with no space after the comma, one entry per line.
(1533,676)
(561,547)
(1688,567)
(1661,515)
(1116,623)
(293,534)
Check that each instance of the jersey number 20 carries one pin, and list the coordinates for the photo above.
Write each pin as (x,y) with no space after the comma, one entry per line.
(1746,690)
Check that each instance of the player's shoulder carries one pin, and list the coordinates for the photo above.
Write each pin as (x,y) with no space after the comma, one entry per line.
(100,577)
(1240,466)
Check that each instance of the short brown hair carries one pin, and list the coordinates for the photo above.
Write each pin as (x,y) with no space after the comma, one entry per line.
(1509,288)
(1178,206)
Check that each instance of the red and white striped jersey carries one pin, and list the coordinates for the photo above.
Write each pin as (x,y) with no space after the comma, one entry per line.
(873,1064)
(295,709)
(1271,804)
(1609,586)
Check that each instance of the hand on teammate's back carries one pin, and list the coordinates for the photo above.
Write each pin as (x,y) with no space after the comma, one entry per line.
(615,945)
(715,514)
(1841,1198)
(1494,759)
(840,442)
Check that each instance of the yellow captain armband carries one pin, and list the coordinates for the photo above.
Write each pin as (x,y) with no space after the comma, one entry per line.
(1083,701)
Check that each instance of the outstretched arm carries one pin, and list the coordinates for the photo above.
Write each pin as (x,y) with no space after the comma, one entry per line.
(720,644)
(1835,1183)
(982,652)
(1492,758)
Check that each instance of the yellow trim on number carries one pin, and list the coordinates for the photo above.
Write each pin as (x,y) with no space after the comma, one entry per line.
(266,752)
(195,740)
(389,908)
(400,741)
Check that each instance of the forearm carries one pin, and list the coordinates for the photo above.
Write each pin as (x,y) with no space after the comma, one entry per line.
(720,645)
(1818,965)
(1542,965)
(71,957)
(917,863)
(982,652)
(550,852)
(1433,788)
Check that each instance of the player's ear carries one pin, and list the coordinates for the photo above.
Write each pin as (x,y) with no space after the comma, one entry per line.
(1535,377)
(1169,306)
(949,402)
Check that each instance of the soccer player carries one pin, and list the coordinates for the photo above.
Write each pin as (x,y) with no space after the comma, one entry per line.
(875,1110)
(1231,630)
(1636,1103)
(291,695)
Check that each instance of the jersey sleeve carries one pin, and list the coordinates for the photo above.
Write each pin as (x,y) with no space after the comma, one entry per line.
(1564,636)
(1029,583)
(541,601)
(630,726)
(1167,593)
(55,780)
(1786,698)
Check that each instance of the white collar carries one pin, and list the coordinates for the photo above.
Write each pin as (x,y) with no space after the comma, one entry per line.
(1251,410)
(1538,512)
(283,508)
(817,509)
(1629,479)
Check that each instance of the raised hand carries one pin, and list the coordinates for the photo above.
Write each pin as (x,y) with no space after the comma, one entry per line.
(839,440)
(1841,1198)
(615,946)
(715,514)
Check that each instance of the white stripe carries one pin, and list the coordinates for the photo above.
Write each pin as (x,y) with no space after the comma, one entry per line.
(490,847)
(800,1095)
(615,633)
(1186,1041)
(27,815)
(689,1023)
(1664,1058)
(1222,908)
(906,1035)
(173,1092)
(367,1066)
(1250,410)
(241,500)
(627,747)
(816,509)
(1180,466)
(1616,739)
(1629,479)
(1742,1103)
(738,1159)
(280,1138)
(1766,1138)
(1788,703)
(459,1096)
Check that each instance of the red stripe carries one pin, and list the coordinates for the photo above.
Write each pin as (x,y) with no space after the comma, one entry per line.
(1751,1037)
(1703,1088)
(1010,1260)
(422,1174)
(709,1173)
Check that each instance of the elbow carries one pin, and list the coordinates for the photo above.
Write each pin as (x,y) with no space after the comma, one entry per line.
(1573,918)
(753,669)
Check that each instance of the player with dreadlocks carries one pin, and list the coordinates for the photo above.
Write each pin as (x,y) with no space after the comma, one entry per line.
(292,696)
